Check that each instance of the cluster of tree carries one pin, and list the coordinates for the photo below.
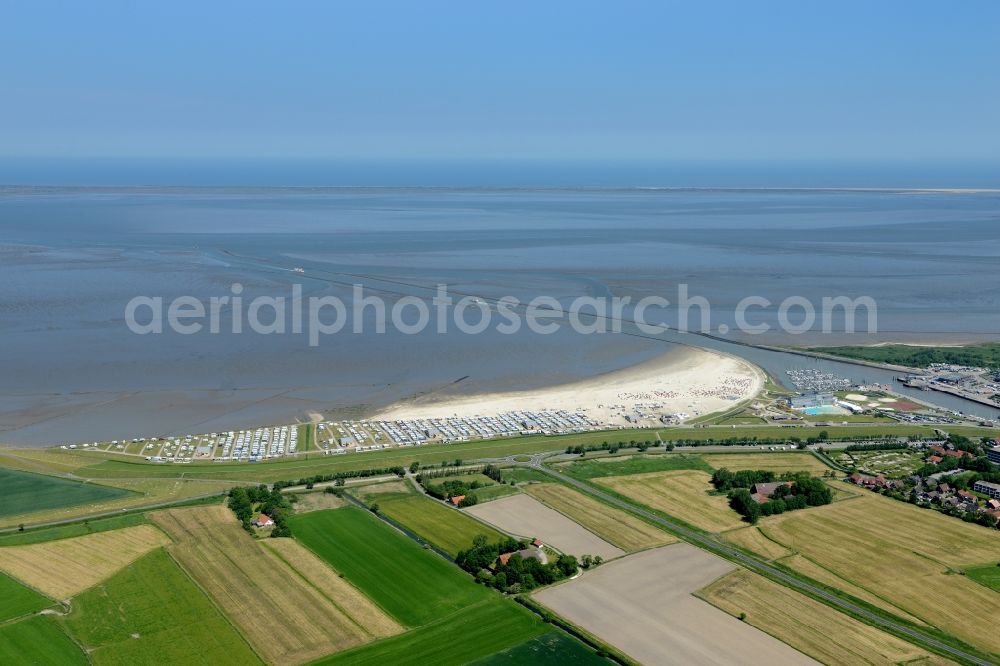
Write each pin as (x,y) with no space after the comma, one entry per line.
(614,447)
(519,574)
(882,446)
(588,561)
(245,501)
(453,488)
(804,491)
(982,356)
(309,481)
(725,480)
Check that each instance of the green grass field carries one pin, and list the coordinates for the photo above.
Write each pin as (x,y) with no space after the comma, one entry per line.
(552,649)
(490,626)
(17,600)
(410,583)
(448,529)
(985,355)
(638,464)
(988,575)
(151,613)
(72,529)
(495,492)
(25,492)
(37,640)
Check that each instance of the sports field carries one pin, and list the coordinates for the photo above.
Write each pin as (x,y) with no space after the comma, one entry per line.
(412,584)
(614,525)
(524,516)
(38,640)
(151,613)
(64,568)
(552,649)
(775,462)
(447,528)
(482,629)
(17,600)
(807,625)
(24,492)
(285,612)
(904,555)
(681,494)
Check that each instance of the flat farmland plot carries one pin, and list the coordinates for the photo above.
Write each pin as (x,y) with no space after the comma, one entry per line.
(903,555)
(774,462)
(614,525)
(258,589)
(64,568)
(553,649)
(682,494)
(410,583)
(448,529)
(17,600)
(810,626)
(142,616)
(476,631)
(525,516)
(38,640)
(26,492)
(643,605)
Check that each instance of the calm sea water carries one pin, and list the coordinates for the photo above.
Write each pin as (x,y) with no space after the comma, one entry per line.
(70,259)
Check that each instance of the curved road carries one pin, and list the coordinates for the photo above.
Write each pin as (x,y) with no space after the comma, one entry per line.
(710,543)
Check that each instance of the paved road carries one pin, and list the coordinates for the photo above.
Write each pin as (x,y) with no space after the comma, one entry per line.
(711,543)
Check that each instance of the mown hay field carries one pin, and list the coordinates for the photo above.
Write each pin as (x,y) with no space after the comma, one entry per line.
(809,626)
(750,538)
(774,462)
(412,584)
(143,616)
(614,525)
(64,568)
(447,528)
(285,614)
(682,494)
(907,556)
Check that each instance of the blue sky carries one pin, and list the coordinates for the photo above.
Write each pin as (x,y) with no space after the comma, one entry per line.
(803,80)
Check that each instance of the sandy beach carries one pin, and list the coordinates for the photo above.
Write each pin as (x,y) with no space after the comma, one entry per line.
(685,382)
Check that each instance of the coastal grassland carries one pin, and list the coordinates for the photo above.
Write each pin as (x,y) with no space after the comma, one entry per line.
(633,464)
(988,575)
(258,588)
(985,355)
(613,525)
(412,584)
(775,462)
(307,436)
(683,494)
(807,625)
(909,557)
(750,538)
(447,528)
(64,568)
(80,528)
(135,493)
(486,627)
(17,600)
(24,493)
(551,649)
(151,613)
(38,640)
